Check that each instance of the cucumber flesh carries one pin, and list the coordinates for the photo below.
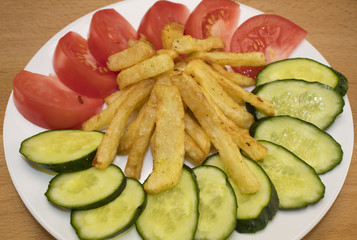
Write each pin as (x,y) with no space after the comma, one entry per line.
(172,214)
(86,189)
(113,218)
(308,142)
(254,210)
(312,102)
(306,69)
(296,182)
(217,204)
(62,150)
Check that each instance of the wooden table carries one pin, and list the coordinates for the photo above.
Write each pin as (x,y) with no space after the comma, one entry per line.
(27,25)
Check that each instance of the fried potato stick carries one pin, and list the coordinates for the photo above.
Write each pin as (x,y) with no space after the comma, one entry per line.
(103,118)
(108,147)
(255,59)
(170,32)
(214,127)
(187,44)
(141,140)
(198,135)
(140,51)
(148,68)
(234,111)
(168,141)
(193,151)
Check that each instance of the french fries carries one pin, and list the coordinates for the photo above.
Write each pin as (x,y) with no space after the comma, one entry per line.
(170,32)
(187,44)
(209,84)
(148,68)
(232,59)
(140,51)
(141,140)
(186,108)
(107,149)
(213,126)
(168,141)
(105,117)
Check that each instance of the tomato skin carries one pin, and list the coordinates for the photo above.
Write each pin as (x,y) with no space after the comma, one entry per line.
(157,16)
(109,33)
(274,35)
(78,70)
(46,102)
(217,18)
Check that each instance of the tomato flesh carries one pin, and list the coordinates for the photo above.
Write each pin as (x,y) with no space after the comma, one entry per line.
(159,14)
(274,35)
(46,102)
(217,18)
(109,33)
(78,69)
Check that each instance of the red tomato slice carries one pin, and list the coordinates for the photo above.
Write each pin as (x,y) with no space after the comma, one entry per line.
(78,70)
(46,102)
(157,16)
(217,18)
(274,35)
(109,33)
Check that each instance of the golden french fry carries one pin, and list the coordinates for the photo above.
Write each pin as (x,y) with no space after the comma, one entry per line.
(235,77)
(103,118)
(263,104)
(172,53)
(231,59)
(193,151)
(170,32)
(198,68)
(141,141)
(198,135)
(140,51)
(130,133)
(107,149)
(187,44)
(168,140)
(214,127)
(148,68)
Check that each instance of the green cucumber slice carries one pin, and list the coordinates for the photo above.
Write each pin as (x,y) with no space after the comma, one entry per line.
(310,101)
(62,150)
(113,218)
(172,214)
(306,69)
(308,142)
(296,182)
(217,204)
(86,189)
(254,210)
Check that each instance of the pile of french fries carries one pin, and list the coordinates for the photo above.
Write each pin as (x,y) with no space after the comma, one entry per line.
(187,107)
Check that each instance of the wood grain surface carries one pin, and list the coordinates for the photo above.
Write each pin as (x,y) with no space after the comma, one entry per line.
(26,25)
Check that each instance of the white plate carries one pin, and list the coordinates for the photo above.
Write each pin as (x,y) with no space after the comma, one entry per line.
(31,183)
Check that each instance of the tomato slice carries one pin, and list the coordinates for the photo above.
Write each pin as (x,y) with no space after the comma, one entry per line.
(78,70)
(46,102)
(217,18)
(157,16)
(274,35)
(109,33)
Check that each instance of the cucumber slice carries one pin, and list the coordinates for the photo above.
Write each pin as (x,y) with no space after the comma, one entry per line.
(254,210)
(62,150)
(113,218)
(172,214)
(217,204)
(303,68)
(296,182)
(86,189)
(308,142)
(313,102)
